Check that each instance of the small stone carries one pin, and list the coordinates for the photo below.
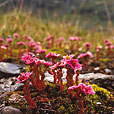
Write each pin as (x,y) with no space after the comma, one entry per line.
(96,68)
(107,70)
(16,98)
(10,110)
(52,112)
(98,103)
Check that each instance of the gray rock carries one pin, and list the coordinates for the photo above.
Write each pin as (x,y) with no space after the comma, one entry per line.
(10,110)
(103,80)
(94,76)
(107,70)
(7,85)
(9,69)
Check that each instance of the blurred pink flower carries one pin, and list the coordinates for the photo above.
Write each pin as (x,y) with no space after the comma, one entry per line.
(48,38)
(89,54)
(51,37)
(16,35)
(106,40)
(88,45)
(99,47)
(61,39)
(1,39)
(9,40)
(20,43)
(52,55)
(112,47)
(85,54)
(73,38)
(79,38)
(41,51)
(23,77)
(39,43)
(108,43)
(28,38)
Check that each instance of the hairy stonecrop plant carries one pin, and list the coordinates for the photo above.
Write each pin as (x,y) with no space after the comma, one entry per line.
(9,40)
(38,68)
(50,42)
(98,52)
(85,58)
(1,42)
(88,46)
(108,47)
(59,42)
(23,77)
(79,93)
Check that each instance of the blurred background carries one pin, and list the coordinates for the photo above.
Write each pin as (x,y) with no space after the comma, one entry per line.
(91,11)
(86,15)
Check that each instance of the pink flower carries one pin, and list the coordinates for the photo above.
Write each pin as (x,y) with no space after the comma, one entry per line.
(37,61)
(21,43)
(39,43)
(112,47)
(67,57)
(73,38)
(88,45)
(37,47)
(74,63)
(79,38)
(30,43)
(9,40)
(55,66)
(29,38)
(89,54)
(52,55)
(49,38)
(86,89)
(89,90)
(41,51)
(108,43)
(61,39)
(46,63)
(43,62)
(106,40)
(29,58)
(72,87)
(66,42)
(6,45)
(1,39)
(16,35)
(59,65)
(85,54)
(23,77)
(81,55)
(99,47)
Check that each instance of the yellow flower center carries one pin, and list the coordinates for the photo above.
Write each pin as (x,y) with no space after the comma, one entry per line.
(67,57)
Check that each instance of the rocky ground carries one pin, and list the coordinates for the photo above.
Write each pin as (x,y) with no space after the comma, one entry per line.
(10,71)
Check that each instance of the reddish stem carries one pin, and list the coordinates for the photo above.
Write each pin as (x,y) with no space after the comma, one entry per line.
(76,81)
